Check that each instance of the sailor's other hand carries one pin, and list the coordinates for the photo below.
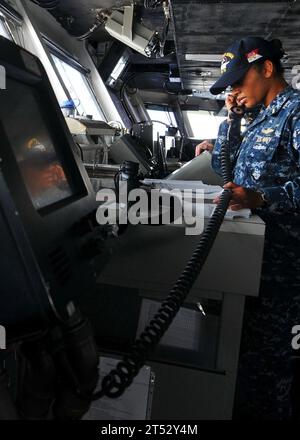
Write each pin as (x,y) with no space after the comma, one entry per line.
(242,197)
(203,146)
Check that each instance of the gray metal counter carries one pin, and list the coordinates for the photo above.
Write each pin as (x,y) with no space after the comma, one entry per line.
(150,258)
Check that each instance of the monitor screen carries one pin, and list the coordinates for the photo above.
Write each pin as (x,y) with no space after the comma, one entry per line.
(21,114)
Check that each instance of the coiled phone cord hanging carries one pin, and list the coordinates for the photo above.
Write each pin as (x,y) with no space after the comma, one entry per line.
(116,382)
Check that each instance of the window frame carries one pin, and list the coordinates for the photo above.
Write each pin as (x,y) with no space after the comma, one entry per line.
(6,28)
(10,18)
(53,50)
(10,13)
(162,108)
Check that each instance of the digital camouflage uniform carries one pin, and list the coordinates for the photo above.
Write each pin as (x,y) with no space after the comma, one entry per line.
(266,157)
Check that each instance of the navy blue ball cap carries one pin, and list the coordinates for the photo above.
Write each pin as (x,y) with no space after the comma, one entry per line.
(241,55)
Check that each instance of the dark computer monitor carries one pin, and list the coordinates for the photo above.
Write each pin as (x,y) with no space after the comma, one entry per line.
(45,194)
(38,158)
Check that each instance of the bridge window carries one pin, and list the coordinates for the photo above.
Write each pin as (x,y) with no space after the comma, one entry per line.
(4,29)
(202,124)
(10,22)
(162,118)
(78,88)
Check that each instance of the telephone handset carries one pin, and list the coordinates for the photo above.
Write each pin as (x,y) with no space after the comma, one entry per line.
(235,115)
(236,112)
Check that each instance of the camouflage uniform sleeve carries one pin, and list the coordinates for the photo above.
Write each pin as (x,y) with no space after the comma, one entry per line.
(233,143)
(287,196)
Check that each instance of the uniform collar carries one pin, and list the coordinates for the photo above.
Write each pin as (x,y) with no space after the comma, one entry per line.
(274,106)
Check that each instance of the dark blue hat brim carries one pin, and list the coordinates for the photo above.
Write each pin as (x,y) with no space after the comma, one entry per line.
(228,79)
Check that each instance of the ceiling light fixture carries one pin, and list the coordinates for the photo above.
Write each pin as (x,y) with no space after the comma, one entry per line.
(204,57)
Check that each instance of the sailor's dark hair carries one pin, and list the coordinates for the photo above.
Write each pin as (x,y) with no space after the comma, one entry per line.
(277,54)
(277,47)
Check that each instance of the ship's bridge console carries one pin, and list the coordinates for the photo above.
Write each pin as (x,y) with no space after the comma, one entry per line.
(46,202)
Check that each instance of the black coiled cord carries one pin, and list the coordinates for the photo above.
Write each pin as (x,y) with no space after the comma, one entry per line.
(116,382)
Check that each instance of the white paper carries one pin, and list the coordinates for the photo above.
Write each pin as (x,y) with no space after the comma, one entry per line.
(182,184)
(184,331)
(132,405)
(230,215)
